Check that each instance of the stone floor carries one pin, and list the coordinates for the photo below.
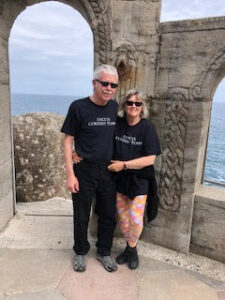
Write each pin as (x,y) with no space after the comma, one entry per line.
(36,263)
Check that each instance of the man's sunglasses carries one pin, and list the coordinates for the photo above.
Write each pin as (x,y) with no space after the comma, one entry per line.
(106,83)
(130,103)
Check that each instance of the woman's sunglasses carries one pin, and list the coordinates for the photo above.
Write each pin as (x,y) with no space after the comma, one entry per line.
(106,83)
(130,103)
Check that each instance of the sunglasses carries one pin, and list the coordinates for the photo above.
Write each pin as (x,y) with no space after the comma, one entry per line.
(130,103)
(106,83)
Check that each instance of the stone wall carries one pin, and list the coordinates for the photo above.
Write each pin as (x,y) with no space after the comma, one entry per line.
(39,164)
(208,227)
(135,44)
(7,187)
(191,64)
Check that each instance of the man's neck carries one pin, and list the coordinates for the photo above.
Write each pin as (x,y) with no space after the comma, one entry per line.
(97,101)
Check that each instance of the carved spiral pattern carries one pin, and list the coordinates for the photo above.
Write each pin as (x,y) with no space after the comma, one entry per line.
(195,92)
(173,156)
(198,89)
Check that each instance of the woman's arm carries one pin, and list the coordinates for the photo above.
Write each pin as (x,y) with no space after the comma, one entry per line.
(137,163)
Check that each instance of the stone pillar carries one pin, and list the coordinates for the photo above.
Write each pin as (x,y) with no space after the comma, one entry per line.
(8,12)
(135,44)
(191,63)
(6,157)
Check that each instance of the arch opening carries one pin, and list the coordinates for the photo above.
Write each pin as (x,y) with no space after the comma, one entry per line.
(214,169)
(51,64)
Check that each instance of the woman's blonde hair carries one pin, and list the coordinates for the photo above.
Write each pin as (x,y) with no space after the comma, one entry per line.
(144,112)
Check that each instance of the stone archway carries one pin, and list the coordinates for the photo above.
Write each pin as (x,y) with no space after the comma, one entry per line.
(95,14)
(203,91)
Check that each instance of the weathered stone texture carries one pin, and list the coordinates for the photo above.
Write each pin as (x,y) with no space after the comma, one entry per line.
(4,75)
(186,82)
(6,163)
(186,57)
(6,193)
(205,24)
(39,165)
(135,50)
(9,10)
(208,228)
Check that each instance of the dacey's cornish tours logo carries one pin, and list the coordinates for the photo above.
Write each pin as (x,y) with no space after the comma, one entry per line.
(102,121)
(128,140)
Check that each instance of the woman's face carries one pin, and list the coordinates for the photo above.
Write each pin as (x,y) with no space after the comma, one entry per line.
(131,109)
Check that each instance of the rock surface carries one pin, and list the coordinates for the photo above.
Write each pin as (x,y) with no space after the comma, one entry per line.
(39,165)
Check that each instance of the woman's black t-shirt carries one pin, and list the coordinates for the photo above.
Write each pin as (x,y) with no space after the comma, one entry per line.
(93,128)
(132,142)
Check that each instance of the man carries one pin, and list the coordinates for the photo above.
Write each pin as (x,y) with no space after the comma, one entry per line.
(90,123)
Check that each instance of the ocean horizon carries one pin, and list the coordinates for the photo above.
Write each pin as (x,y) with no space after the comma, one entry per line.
(29,103)
(215,158)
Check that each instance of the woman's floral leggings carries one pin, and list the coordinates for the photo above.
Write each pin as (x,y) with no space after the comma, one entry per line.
(130,213)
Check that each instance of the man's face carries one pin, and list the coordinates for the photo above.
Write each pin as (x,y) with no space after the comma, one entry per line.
(104,88)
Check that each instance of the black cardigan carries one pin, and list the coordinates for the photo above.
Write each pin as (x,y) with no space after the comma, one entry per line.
(152,197)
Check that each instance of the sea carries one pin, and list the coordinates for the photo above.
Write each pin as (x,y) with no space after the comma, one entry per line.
(215,158)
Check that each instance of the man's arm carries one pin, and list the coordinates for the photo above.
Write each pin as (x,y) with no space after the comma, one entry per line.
(72,181)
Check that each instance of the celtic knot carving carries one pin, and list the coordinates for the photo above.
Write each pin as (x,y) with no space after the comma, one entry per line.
(173,145)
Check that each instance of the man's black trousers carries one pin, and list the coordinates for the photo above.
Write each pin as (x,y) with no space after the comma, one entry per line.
(94,180)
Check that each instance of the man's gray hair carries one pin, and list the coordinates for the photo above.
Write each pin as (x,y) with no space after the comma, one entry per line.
(108,69)
(140,96)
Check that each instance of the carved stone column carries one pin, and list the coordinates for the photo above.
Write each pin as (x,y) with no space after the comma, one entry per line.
(173,149)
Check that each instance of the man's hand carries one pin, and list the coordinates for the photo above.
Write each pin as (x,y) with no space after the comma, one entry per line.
(116,166)
(76,158)
(72,184)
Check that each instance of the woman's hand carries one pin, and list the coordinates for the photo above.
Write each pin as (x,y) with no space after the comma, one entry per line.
(76,158)
(116,166)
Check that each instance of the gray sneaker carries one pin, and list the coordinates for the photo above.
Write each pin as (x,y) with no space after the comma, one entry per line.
(79,263)
(108,262)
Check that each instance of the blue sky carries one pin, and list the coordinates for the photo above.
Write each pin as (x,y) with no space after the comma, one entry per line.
(51,46)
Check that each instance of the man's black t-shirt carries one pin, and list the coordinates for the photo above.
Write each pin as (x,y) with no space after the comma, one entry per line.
(93,127)
(132,142)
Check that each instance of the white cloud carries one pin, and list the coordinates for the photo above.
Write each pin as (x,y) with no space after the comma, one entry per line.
(51,44)
(191,9)
(51,50)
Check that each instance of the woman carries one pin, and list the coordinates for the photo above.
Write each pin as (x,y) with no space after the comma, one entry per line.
(135,147)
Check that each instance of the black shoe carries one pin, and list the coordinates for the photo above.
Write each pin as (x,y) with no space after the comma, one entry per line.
(123,257)
(133,260)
